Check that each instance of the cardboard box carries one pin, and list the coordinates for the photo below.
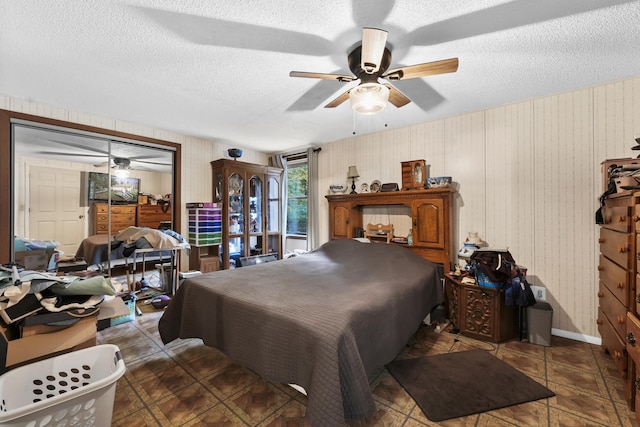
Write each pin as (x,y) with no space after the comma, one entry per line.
(15,351)
(47,322)
(118,310)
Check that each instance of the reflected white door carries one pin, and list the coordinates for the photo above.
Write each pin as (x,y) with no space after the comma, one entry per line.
(54,207)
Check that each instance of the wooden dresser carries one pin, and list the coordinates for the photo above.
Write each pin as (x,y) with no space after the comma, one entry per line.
(479,312)
(617,299)
(152,215)
(431,218)
(122,216)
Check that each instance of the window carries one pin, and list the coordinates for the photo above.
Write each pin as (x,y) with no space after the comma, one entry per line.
(297,180)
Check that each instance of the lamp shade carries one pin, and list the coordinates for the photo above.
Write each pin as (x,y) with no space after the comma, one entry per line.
(353,172)
(369,98)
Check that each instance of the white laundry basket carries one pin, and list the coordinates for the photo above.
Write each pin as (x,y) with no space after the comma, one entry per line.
(73,389)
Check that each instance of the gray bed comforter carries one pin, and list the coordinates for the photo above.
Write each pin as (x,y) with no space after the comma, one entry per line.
(326,321)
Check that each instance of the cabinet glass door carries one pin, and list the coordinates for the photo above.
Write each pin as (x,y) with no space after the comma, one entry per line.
(236,216)
(255,205)
(255,216)
(218,188)
(273,205)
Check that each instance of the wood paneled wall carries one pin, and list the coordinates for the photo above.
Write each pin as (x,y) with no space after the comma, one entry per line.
(528,178)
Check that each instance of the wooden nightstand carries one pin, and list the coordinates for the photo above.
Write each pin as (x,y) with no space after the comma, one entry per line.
(479,312)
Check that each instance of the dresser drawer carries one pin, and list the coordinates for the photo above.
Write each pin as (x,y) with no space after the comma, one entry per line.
(102,217)
(101,208)
(616,246)
(633,337)
(122,209)
(613,309)
(613,344)
(617,218)
(615,278)
(103,227)
(634,298)
(129,218)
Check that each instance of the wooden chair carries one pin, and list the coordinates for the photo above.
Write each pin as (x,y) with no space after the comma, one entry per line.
(379,232)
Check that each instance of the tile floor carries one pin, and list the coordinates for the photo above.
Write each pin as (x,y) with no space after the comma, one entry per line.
(187,384)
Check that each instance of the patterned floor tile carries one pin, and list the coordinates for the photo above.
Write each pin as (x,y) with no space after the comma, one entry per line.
(583,404)
(184,405)
(229,381)
(257,402)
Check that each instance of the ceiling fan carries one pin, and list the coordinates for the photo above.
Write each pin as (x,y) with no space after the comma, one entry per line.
(121,166)
(369,62)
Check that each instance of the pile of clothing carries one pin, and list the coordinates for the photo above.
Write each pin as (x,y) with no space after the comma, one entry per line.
(27,292)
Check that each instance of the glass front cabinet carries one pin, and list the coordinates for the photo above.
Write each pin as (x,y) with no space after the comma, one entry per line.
(251,196)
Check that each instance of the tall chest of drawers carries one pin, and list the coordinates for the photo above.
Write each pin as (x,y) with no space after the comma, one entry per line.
(618,269)
(122,216)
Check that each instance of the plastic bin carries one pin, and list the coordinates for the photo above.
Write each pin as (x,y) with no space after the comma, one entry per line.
(76,388)
(539,319)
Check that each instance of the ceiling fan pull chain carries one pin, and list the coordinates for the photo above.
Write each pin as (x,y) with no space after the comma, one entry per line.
(354,122)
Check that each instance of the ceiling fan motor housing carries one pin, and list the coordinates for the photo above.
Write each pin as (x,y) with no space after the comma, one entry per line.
(122,162)
(354,60)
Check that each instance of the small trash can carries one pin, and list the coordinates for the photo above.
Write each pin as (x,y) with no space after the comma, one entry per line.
(539,318)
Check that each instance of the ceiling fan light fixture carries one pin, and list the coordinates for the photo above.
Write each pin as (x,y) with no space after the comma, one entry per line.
(121,173)
(369,98)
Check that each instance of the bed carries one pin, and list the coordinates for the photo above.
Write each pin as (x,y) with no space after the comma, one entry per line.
(127,243)
(131,244)
(326,321)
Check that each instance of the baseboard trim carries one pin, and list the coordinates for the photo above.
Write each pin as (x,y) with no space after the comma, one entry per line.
(577,337)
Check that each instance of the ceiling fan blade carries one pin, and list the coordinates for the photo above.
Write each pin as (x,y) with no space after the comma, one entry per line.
(58,153)
(396,97)
(219,32)
(148,162)
(339,100)
(504,16)
(422,70)
(373,44)
(326,76)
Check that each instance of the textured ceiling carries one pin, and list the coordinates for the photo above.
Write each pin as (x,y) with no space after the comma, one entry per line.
(220,69)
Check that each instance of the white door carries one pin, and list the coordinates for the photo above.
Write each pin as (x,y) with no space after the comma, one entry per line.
(54,207)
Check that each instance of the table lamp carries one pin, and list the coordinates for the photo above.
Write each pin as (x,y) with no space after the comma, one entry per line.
(353,174)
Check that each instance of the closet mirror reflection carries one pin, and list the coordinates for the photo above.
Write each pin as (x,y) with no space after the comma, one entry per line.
(68,181)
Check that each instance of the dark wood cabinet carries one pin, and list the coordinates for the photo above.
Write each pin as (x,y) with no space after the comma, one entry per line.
(251,197)
(431,218)
(480,312)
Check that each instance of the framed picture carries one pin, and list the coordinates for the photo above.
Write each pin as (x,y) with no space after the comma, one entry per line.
(414,174)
